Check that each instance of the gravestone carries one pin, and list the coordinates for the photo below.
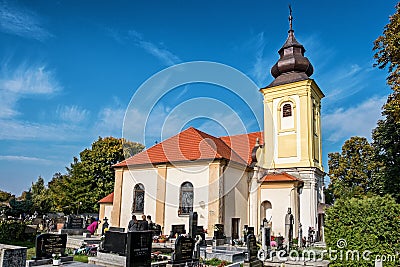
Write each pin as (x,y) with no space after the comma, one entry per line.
(193,219)
(75,222)
(183,253)
(48,244)
(115,242)
(139,249)
(250,230)
(200,232)
(252,251)
(219,231)
(177,229)
(116,229)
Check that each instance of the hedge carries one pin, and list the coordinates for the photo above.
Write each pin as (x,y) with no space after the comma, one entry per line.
(359,226)
(12,231)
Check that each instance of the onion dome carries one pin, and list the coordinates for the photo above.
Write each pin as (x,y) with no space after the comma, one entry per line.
(292,66)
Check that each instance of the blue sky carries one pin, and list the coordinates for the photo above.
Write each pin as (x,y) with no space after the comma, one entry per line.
(68,70)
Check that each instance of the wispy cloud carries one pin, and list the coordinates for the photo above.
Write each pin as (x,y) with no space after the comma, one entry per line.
(24,159)
(159,51)
(20,21)
(22,82)
(72,113)
(355,121)
(164,55)
(261,65)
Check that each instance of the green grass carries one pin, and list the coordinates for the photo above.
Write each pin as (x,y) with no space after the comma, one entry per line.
(81,258)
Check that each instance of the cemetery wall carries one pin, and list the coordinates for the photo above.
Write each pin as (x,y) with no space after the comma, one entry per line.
(236,195)
(175,177)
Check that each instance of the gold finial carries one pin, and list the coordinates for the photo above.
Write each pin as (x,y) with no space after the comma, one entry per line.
(290,18)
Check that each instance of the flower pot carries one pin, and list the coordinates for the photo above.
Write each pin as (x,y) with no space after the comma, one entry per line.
(56,262)
(162,240)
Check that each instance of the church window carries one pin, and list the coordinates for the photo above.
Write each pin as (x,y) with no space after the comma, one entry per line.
(186,198)
(287,110)
(287,116)
(138,199)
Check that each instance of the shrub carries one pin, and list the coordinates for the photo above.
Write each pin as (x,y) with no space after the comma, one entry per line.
(354,226)
(12,231)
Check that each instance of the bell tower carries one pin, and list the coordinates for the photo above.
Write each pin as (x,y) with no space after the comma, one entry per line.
(292,126)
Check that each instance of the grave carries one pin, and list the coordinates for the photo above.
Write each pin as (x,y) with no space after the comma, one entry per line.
(183,254)
(193,219)
(139,248)
(114,242)
(48,244)
(73,226)
(13,256)
(178,229)
(116,229)
(251,259)
(219,235)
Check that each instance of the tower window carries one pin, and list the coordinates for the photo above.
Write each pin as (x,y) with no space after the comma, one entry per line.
(287,110)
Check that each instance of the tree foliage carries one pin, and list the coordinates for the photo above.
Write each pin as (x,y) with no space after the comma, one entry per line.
(91,177)
(40,197)
(353,172)
(5,196)
(371,224)
(386,136)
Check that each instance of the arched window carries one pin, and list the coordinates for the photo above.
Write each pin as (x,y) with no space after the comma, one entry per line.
(287,110)
(287,116)
(138,199)
(186,198)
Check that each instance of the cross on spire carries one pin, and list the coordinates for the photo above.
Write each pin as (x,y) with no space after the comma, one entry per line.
(290,18)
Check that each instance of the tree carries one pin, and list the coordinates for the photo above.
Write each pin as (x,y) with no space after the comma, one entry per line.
(4,196)
(353,171)
(359,225)
(21,205)
(386,136)
(40,197)
(91,177)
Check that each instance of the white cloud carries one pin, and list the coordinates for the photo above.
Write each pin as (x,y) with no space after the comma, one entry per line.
(260,70)
(24,130)
(164,55)
(24,81)
(72,113)
(25,159)
(110,121)
(358,120)
(22,22)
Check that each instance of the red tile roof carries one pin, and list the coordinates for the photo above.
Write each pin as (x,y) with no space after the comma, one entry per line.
(107,199)
(192,144)
(280,177)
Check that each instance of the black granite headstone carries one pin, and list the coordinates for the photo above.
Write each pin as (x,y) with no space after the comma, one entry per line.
(184,247)
(250,230)
(219,231)
(116,229)
(252,248)
(177,229)
(267,236)
(200,232)
(193,219)
(75,222)
(115,242)
(139,249)
(48,244)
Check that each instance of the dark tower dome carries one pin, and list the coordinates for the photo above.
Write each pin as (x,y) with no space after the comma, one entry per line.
(292,65)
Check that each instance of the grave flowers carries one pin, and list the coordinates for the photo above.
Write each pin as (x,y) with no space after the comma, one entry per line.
(56,259)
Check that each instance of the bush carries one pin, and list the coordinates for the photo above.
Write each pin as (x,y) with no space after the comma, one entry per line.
(12,231)
(354,226)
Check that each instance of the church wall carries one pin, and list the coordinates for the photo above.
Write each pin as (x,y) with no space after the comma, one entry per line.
(131,177)
(198,176)
(280,202)
(236,197)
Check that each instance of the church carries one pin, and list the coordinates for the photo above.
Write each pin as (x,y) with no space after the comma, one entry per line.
(235,180)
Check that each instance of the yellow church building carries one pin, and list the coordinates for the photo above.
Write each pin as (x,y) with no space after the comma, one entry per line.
(235,180)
